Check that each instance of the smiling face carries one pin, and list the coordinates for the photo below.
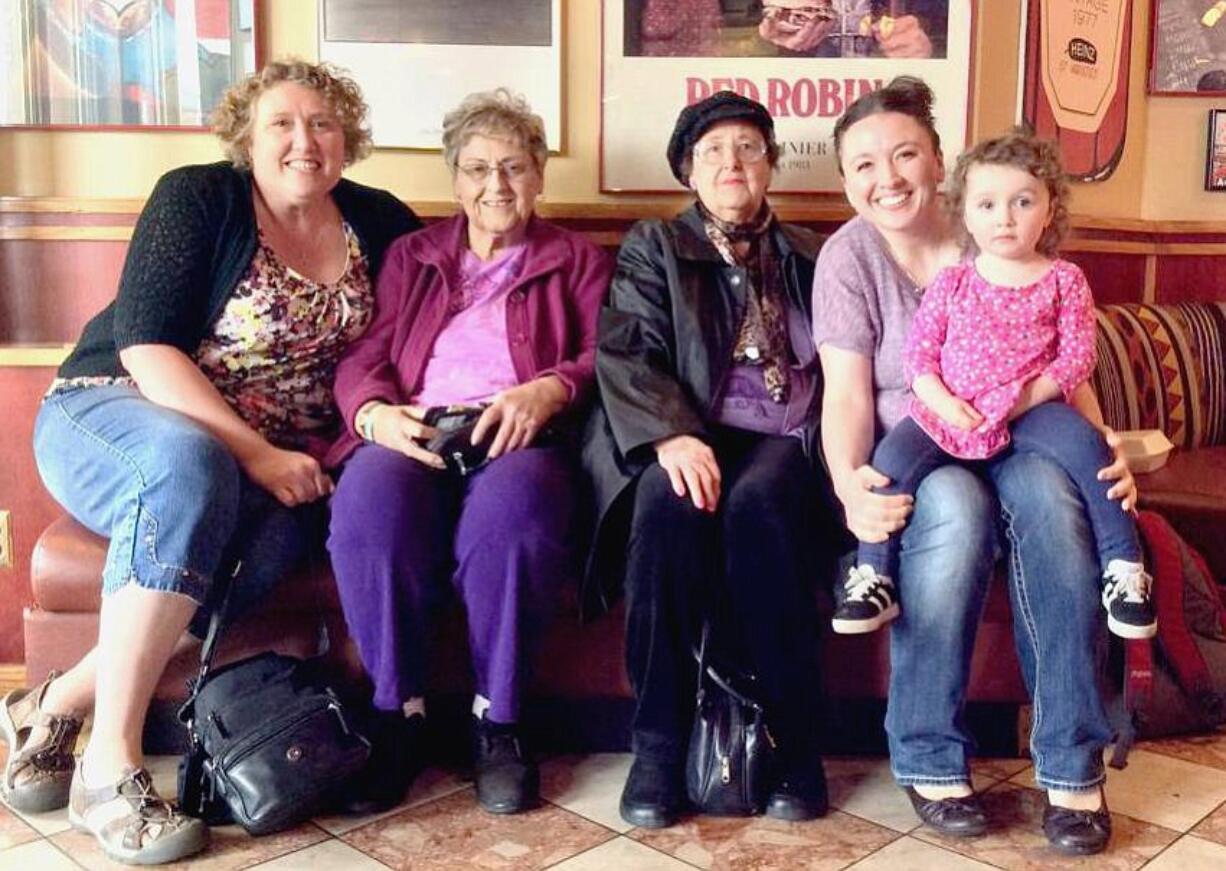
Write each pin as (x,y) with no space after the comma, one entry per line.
(1006,210)
(499,206)
(730,188)
(891,171)
(296,144)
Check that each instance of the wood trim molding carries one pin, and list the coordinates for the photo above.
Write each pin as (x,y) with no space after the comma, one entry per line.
(12,676)
(70,233)
(34,355)
(789,207)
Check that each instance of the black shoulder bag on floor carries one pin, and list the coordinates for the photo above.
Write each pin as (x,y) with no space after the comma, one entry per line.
(269,740)
(726,768)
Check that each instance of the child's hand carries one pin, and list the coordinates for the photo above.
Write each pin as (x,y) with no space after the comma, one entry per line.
(957,412)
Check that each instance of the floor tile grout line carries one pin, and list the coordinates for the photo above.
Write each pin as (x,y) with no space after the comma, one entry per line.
(63,852)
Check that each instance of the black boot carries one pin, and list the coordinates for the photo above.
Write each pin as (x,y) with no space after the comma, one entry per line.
(507,778)
(800,787)
(654,795)
(397,756)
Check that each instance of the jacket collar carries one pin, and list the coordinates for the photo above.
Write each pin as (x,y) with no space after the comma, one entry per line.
(442,243)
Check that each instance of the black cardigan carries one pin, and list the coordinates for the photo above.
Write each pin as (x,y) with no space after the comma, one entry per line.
(191,246)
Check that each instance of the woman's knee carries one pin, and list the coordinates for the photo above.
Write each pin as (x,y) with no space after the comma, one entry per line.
(949,544)
(382,499)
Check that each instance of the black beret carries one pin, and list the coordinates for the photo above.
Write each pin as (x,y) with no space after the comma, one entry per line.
(697,119)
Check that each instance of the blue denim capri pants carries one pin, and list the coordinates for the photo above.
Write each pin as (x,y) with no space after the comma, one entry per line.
(167,493)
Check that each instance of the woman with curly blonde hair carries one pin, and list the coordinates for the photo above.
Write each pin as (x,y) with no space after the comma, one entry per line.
(189,423)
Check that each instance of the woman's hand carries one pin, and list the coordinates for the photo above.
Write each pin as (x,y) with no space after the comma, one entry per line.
(1125,486)
(777,26)
(692,469)
(871,516)
(400,428)
(293,477)
(520,413)
(902,37)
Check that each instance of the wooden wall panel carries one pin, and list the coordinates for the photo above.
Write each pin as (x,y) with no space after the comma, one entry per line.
(1113,277)
(50,288)
(21,492)
(1191,277)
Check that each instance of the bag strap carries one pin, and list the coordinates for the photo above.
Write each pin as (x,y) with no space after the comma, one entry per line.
(223,587)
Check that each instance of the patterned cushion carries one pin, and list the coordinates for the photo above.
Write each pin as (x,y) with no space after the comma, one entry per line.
(1164,367)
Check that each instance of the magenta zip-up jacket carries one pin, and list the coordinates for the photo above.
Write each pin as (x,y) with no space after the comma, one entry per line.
(551,317)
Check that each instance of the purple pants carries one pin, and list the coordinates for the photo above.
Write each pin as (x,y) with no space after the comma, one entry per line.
(402,535)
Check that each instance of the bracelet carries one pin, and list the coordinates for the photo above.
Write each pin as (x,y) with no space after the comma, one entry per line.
(365,424)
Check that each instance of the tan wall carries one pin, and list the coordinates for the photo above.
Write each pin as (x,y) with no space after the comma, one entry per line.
(1159,176)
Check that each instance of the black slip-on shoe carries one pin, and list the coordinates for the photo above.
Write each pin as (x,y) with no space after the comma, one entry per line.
(508,780)
(961,817)
(1074,832)
(654,795)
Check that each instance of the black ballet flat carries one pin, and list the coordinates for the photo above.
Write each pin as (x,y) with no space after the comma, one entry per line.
(1074,832)
(961,817)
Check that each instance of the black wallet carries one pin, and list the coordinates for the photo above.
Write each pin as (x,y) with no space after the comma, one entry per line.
(455,425)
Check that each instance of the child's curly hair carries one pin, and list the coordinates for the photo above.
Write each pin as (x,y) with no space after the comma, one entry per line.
(1018,148)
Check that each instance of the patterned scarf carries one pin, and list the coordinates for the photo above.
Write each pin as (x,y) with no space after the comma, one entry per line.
(762,337)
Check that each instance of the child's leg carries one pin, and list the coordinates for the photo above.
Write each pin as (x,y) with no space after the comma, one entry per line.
(906,456)
(1055,431)
(1058,432)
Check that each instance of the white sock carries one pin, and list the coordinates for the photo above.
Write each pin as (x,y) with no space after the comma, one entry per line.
(480,705)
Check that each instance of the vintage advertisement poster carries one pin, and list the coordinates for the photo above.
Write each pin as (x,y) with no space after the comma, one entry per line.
(805,60)
(1075,80)
(417,59)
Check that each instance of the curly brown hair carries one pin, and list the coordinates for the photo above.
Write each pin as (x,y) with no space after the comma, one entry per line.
(235,113)
(1021,149)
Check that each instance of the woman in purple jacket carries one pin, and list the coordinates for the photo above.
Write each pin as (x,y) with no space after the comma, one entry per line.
(495,308)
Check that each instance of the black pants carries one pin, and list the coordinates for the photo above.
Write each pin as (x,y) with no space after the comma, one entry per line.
(754,566)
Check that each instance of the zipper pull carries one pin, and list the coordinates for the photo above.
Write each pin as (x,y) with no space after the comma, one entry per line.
(725,769)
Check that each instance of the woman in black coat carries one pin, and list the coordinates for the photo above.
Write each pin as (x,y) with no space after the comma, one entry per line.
(710,495)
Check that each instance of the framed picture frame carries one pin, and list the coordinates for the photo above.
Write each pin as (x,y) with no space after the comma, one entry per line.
(1215,152)
(417,59)
(1187,48)
(805,61)
(122,64)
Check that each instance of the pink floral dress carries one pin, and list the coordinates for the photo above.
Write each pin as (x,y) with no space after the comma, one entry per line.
(986,341)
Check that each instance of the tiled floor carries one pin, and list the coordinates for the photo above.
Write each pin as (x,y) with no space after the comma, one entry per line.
(1169,810)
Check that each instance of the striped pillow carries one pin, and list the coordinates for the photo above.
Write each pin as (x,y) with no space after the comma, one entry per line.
(1162,367)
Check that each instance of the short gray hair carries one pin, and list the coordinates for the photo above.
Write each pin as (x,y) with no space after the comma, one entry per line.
(499,114)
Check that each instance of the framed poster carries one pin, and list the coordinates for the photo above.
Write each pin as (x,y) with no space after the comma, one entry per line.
(1215,152)
(417,59)
(121,63)
(1187,48)
(805,60)
(1074,82)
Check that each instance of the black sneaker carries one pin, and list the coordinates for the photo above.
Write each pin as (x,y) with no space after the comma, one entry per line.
(1126,589)
(868,602)
(397,756)
(507,778)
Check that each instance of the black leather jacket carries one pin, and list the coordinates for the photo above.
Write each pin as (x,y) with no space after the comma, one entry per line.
(665,346)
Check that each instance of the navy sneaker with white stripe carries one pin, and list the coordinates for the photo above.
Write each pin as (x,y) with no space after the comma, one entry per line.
(868,602)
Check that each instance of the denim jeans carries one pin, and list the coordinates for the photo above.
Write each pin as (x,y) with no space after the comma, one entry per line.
(948,550)
(1053,430)
(167,493)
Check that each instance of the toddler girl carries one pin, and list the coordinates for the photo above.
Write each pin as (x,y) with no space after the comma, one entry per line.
(999,343)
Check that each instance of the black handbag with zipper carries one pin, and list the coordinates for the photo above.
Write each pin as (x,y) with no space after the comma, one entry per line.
(269,740)
(728,761)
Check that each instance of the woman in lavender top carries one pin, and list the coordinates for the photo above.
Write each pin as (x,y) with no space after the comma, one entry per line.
(869,281)
(494,308)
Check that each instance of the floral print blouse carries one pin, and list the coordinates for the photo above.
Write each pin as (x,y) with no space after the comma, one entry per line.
(272,353)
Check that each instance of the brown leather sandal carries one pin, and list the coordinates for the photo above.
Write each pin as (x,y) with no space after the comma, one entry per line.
(36,777)
(132,823)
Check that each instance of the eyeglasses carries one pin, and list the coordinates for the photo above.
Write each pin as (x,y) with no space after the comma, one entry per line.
(715,153)
(510,169)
